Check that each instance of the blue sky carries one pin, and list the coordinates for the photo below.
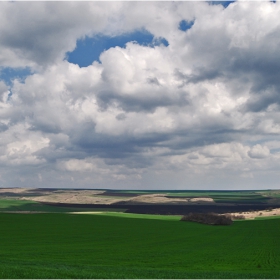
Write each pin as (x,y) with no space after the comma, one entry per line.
(8,74)
(185,25)
(140,95)
(88,49)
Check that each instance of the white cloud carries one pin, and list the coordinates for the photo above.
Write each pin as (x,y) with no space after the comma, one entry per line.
(43,32)
(23,151)
(144,115)
(76,165)
(4,91)
(259,151)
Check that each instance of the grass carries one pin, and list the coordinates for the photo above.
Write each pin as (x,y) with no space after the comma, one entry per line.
(240,199)
(271,193)
(25,205)
(137,216)
(267,217)
(29,205)
(100,246)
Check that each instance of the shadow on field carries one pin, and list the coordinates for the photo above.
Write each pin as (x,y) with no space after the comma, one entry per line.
(171,209)
(37,207)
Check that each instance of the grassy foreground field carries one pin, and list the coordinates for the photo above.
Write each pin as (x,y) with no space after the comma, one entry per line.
(95,246)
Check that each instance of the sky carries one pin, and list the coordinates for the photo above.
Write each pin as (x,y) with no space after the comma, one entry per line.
(140,95)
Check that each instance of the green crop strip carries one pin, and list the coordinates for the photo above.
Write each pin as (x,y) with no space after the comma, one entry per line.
(136,216)
(95,246)
(29,205)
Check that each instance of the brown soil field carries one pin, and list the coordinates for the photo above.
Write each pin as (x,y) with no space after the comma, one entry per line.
(162,198)
(261,213)
(109,193)
(14,190)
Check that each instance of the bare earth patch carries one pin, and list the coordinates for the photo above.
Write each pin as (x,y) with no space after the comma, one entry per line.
(205,199)
(263,213)
(15,190)
(94,197)
(93,212)
(76,197)
(160,198)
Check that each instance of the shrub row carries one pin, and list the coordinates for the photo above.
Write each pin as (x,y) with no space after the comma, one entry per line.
(235,217)
(208,218)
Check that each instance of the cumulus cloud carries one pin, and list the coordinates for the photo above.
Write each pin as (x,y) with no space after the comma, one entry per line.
(203,109)
(259,151)
(42,33)
(75,165)
(4,92)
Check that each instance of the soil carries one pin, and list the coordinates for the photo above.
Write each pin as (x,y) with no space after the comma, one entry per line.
(96,197)
(14,190)
(73,196)
(163,199)
(173,209)
(263,213)
(108,193)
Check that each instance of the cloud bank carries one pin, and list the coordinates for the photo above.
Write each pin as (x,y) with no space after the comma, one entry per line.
(201,112)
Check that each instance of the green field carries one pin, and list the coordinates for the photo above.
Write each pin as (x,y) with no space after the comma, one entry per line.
(137,216)
(98,246)
(29,205)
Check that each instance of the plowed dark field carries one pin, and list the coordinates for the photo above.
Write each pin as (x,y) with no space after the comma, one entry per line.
(172,209)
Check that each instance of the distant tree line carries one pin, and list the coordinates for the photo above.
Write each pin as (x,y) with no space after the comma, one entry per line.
(211,218)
